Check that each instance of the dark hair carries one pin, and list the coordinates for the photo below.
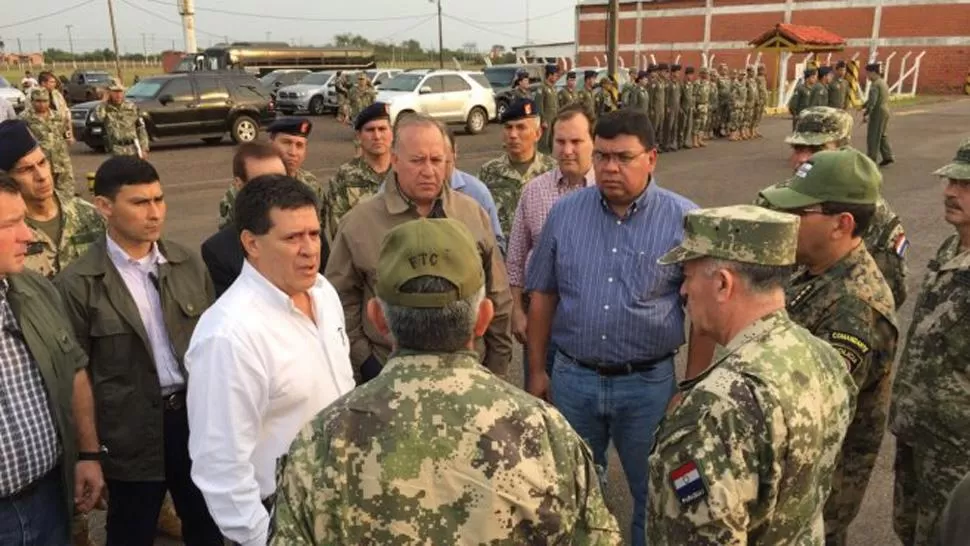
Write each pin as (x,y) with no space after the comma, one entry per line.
(628,121)
(44,76)
(862,214)
(572,110)
(8,184)
(262,194)
(122,170)
(251,150)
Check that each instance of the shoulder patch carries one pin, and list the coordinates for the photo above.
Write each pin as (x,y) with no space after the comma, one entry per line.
(850,340)
(688,483)
(852,349)
(901,245)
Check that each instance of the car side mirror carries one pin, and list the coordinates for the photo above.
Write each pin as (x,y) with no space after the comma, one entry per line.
(277,84)
(165,99)
(425,90)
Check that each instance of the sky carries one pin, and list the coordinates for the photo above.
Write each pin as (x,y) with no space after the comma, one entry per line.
(154,25)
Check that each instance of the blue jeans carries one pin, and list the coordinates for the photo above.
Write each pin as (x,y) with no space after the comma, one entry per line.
(551,351)
(626,409)
(37,517)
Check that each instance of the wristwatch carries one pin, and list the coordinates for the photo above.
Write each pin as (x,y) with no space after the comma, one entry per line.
(93,455)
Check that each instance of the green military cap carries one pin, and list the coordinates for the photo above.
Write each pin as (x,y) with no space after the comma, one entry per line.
(820,125)
(959,168)
(41,94)
(436,248)
(739,233)
(836,176)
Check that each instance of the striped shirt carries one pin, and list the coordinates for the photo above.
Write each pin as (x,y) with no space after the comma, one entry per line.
(538,197)
(616,303)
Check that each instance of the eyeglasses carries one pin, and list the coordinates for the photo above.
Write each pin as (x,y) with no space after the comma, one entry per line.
(621,158)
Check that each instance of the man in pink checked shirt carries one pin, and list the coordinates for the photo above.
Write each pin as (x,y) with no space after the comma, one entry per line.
(573,149)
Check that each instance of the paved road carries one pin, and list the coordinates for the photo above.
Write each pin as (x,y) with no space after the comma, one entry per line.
(195,176)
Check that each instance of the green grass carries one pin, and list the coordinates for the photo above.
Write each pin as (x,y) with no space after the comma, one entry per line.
(13,75)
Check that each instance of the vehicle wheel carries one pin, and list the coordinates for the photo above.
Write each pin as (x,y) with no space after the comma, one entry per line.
(316,106)
(212,140)
(500,109)
(477,120)
(244,129)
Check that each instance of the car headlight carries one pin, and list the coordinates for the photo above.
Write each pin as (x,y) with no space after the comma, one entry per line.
(93,116)
(301,93)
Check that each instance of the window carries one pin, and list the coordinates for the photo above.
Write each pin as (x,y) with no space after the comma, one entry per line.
(480,79)
(247,92)
(145,89)
(211,89)
(454,83)
(435,83)
(180,89)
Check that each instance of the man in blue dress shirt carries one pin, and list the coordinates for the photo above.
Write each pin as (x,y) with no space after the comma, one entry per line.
(614,313)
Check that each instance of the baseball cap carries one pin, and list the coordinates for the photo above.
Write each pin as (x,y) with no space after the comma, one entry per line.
(41,94)
(739,233)
(428,247)
(832,176)
(820,125)
(959,168)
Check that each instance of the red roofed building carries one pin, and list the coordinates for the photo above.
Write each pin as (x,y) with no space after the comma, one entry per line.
(726,29)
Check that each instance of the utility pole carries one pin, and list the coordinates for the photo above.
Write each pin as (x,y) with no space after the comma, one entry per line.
(144,45)
(114,40)
(187,11)
(268,35)
(40,45)
(613,35)
(70,41)
(441,47)
(527,22)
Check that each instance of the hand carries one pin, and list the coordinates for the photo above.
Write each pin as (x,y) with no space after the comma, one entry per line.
(88,485)
(519,321)
(539,385)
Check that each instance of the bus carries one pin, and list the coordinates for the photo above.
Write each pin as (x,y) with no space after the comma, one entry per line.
(261,58)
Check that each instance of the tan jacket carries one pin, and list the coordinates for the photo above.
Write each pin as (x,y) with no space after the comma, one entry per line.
(352,269)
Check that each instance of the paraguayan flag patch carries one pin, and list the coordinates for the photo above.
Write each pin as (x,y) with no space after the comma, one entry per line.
(688,483)
(803,169)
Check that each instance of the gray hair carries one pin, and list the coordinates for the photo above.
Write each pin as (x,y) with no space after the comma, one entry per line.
(441,329)
(759,279)
(405,121)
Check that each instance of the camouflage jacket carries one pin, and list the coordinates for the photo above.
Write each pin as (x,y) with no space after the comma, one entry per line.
(819,95)
(567,96)
(724,85)
(702,96)
(752,95)
(121,128)
(547,104)
(851,307)
(606,101)
(748,454)
(506,183)
(762,90)
(229,198)
(739,94)
(61,109)
(931,394)
(436,450)
(688,95)
(49,132)
(354,181)
(81,225)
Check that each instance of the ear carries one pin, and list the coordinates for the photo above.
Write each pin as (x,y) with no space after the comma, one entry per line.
(726,285)
(249,243)
(486,312)
(104,205)
(394,158)
(845,225)
(237,183)
(376,315)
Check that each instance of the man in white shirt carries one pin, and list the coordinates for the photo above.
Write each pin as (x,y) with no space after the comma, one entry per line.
(269,355)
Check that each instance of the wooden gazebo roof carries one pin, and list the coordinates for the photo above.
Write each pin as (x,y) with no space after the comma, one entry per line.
(799,39)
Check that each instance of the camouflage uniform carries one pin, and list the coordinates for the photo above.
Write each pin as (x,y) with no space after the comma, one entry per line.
(607,99)
(639,99)
(761,102)
(354,181)
(930,414)
(361,97)
(685,125)
(547,107)
(750,103)
(81,225)
(505,183)
(725,102)
(122,127)
(748,453)
(703,93)
(739,95)
(229,198)
(48,129)
(341,88)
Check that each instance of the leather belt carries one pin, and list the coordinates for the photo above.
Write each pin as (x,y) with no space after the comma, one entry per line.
(174,401)
(613,370)
(124,142)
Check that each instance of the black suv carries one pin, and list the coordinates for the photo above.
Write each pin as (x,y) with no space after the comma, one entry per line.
(194,104)
(500,76)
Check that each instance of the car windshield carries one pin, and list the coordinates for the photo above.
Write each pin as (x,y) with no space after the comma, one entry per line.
(4,83)
(270,78)
(403,82)
(97,77)
(500,77)
(144,89)
(316,78)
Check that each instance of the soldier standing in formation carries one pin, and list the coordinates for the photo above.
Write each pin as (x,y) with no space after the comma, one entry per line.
(820,91)
(521,162)
(568,94)
(585,95)
(739,95)
(341,88)
(762,101)
(639,97)
(688,98)
(725,102)
(931,398)
(801,98)
(521,86)
(839,87)
(124,130)
(547,103)
(628,88)
(750,102)
(360,178)
(764,477)
(841,297)
(704,93)
(658,99)
(672,117)
(48,128)
(877,116)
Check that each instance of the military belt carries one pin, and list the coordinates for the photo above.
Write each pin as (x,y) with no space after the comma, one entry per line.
(613,369)
(124,142)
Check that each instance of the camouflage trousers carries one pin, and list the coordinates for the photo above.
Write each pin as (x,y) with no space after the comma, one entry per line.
(724,113)
(701,120)
(343,109)
(129,149)
(736,120)
(925,474)
(685,128)
(859,451)
(748,116)
(759,114)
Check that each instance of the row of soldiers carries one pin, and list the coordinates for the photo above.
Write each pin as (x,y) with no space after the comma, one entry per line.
(823,86)
(352,98)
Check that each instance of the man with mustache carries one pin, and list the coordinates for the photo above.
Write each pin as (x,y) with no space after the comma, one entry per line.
(931,397)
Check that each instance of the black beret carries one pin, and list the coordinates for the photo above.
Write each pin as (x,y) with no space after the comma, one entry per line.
(840,64)
(551,69)
(519,76)
(291,126)
(652,68)
(520,109)
(809,72)
(689,70)
(590,74)
(872,67)
(642,74)
(675,68)
(825,70)
(16,141)
(378,110)
(663,66)
(571,75)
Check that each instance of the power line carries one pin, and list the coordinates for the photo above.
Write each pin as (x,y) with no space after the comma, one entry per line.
(46,15)
(403,30)
(166,19)
(484,29)
(522,21)
(300,18)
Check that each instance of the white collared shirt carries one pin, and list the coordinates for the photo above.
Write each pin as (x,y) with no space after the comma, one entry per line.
(137,275)
(261,370)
